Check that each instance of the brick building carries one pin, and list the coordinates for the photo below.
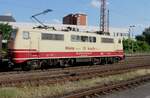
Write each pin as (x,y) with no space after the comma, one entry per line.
(75,19)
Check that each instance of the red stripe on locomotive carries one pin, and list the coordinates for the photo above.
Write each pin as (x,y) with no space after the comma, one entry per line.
(22,56)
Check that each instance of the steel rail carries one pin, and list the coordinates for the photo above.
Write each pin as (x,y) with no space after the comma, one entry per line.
(108,88)
(48,79)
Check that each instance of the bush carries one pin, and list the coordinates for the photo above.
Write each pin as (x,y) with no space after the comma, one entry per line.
(132,46)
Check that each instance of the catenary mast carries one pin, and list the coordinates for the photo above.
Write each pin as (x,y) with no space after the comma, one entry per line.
(104,20)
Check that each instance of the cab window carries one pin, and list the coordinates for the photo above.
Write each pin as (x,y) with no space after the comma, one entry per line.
(26,35)
(13,34)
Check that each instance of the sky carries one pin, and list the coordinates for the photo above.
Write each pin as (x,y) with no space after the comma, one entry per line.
(123,13)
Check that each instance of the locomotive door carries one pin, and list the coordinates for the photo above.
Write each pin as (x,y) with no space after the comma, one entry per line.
(34,44)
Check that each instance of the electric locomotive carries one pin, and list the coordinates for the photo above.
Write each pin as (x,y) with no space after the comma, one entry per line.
(32,48)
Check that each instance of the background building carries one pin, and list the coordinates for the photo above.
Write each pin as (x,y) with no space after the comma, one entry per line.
(75,19)
(7,18)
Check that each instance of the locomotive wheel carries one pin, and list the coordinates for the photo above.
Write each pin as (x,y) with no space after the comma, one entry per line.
(64,63)
(25,67)
(72,62)
(96,61)
(61,63)
(30,65)
(110,60)
(103,61)
(43,64)
(116,60)
(67,62)
(10,66)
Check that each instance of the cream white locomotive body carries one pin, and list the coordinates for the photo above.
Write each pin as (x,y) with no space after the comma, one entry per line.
(49,44)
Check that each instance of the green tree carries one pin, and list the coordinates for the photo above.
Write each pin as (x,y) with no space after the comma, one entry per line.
(146,33)
(127,45)
(140,38)
(145,36)
(6,30)
(133,46)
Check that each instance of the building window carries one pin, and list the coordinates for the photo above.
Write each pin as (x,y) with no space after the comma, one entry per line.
(107,40)
(26,35)
(46,36)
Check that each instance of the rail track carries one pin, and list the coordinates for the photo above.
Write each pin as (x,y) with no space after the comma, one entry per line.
(130,60)
(63,75)
(17,78)
(71,74)
(96,92)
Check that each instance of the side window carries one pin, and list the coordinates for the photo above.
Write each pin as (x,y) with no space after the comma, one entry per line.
(59,37)
(78,38)
(75,38)
(13,35)
(26,35)
(92,39)
(46,36)
(107,40)
(84,38)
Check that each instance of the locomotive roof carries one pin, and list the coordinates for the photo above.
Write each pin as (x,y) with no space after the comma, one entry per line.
(63,32)
(60,27)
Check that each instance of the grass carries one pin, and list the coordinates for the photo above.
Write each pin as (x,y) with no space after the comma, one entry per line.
(60,89)
(8,93)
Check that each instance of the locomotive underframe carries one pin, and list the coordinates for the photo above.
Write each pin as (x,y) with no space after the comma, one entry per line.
(65,62)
